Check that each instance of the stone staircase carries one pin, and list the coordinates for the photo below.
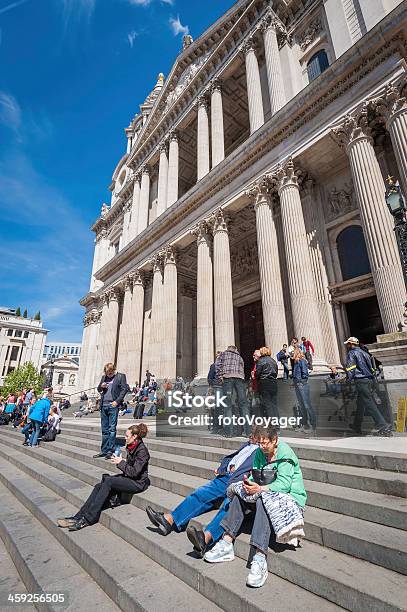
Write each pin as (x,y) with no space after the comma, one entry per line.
(354,558)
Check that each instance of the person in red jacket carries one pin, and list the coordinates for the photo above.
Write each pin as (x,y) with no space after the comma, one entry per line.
(309,351)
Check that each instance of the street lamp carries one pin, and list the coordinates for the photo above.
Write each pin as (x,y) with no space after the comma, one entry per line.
(397,206)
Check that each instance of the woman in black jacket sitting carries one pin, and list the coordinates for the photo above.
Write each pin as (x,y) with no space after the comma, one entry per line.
(266,375)
(133,479)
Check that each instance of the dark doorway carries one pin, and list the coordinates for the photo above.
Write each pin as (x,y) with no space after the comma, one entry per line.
(251,332)
(364,319)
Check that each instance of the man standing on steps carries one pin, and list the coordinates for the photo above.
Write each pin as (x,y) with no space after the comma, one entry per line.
(113,388)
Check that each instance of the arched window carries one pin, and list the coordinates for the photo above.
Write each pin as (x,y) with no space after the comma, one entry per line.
(317,64)
(352,252)
(60,379)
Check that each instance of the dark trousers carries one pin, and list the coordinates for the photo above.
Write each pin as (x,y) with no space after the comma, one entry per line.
(239,385)
(108,420)
(261,530)
(98,499)
(286,370)
(365,404)
(268,397)
(138,411)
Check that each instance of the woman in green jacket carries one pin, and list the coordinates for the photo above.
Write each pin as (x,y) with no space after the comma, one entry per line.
(278,506)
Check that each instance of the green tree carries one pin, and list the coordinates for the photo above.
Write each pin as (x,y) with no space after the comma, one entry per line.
(18,311)
(25,313)
(37,316)
(24,376)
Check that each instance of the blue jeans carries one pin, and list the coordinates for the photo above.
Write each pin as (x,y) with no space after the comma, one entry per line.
(302,390)
(108,420)
(202,500)
(286,373)
(26,431)
(240,387)
(36,432)
(365,404)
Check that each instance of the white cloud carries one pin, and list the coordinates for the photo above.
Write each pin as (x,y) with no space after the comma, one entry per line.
(140,2)
(10,112)
(177,27)
(131,37)
(77,10)
(11,6)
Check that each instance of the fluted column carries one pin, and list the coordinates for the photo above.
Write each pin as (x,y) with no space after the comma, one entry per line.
(275,327)
(100,257)
(217,130)
(202,137)
(135,202)
(355,135)
(122,350)
(109,323)
(393,107)
(126,223)
(204,301)
(222,276)
(131,329)
(162,179)
(84,352)
(94,283)
(300,279)
(173,163)
(91,372)
(168,365)
(255,100)
(156,327)
(270,25)
(144,199)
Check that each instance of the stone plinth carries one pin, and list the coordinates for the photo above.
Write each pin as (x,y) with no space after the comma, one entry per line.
(391,350)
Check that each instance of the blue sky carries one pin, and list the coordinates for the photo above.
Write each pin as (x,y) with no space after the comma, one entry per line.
(72,75)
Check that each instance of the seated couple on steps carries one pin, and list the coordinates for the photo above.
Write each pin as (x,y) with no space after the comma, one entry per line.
(262,479)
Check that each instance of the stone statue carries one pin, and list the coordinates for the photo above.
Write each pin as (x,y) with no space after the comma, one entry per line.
(187,40)
(340,201)
(104,210)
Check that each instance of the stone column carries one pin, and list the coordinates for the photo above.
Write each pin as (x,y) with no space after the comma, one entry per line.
(135,202)
(94,283)
(275,328)
(393,107)
(300,279)
(131,329)
(108,326)
(162,179)
(168,365)
(202,137)
(126,223)
(100,257)
(222,274)
(355,135)
(144,199)
(84,352)
(173,163)
(270,25)
(218,137)
(255,100)
(92,371)
(122,349)
(156,326)
(204,301)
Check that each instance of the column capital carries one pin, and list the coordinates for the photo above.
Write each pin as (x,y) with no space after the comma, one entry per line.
(248,45)
(355,127)
(101,234)
(169,255)
(215,85)
(271,21)
(202,101)
(162,147)
(145,170)
(128,282)
(201,231)
(138,278)
(219,221)
(112,294)
(127,206)
(173,136)
(286,175)
(157,262)
(392,102)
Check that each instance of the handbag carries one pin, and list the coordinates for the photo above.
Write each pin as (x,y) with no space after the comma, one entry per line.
(265,476)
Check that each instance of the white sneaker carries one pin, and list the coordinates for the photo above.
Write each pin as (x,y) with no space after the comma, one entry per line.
(222,551)
(258,572)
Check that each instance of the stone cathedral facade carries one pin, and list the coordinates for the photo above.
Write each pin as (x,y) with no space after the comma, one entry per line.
(250,205)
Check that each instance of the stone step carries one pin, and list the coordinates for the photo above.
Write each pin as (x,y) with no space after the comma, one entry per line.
(115,565)
(376,481)
(378,544)
(43,564)
(11,584)
(378,460)
(365,505)
(163,573)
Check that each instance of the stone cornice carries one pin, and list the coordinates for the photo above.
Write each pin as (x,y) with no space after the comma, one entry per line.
(382,42)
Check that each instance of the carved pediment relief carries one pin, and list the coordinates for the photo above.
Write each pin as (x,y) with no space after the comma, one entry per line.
(179,85)
(340,201)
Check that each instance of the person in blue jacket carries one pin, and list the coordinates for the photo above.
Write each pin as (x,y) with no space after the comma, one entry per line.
(300,378)
(232,468)
(39,415)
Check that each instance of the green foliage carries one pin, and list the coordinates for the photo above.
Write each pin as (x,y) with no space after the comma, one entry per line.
(25,313)
(18,311)
(37,316)
(25,376)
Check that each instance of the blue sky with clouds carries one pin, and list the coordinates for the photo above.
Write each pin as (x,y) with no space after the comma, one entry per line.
(72,74)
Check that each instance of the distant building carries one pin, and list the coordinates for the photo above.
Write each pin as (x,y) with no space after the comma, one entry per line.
(21,340)
(61,373)
(59,349)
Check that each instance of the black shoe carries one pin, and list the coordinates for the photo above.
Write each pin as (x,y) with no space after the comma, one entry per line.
(99,455)
(355,429)
(197,539)
(158,520)
(80,524)
(108,456)
(25,443)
